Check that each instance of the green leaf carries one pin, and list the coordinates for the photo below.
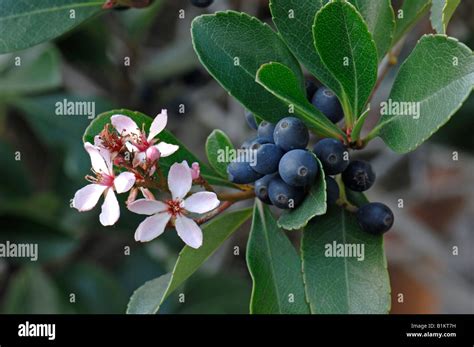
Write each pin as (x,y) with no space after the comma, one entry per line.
(359,124)
(224,293)
(441,13)
(408,15)
(275,268)
(294,19)
(31,291)
(40,70)
(353,60)
(344,284)
(28,22)
(438,76)
(232,46)
(182,154)
(148,298)
(218,142)
(313,205)
(281,82)
(380,20)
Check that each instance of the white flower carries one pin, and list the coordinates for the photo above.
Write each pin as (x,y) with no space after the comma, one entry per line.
(175,209)
(141,145)
(104,182)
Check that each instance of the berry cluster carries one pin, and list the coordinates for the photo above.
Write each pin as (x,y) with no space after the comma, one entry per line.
(283,169)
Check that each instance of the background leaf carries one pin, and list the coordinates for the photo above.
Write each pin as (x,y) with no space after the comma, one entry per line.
(28,22)
(380,20)
(274,266)
(429,77)
(281,82)
(344,284)
(182,154)
(407,16)
(313,205)
(441,13)
(294,20)
(340,22)
(222,37)
(149,297)
(53,243)
(40,70)
(95,289)
(31,291)
(218,141)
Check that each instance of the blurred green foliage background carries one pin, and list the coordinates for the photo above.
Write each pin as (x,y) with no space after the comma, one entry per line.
(101,266)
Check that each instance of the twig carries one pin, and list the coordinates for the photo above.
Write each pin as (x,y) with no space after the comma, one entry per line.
(224,206)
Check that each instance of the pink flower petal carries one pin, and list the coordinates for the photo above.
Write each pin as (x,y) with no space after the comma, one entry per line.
(152,154)
(131,148)
(201,202)
(147,207)
(152,227)
(189,231)
(166,149)
(124,182)
(195,171)
(97,160)
(86,198)
(110,209)
(179,180)
(139,159)
(158,124)
(124,125)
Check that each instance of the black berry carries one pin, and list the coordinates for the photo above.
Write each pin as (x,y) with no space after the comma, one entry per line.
(202,3)
(375,218)
(333,156)
(326,102)
(358,176)
(332,190)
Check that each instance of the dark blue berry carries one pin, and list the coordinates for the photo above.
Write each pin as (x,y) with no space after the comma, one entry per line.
(247,143)
(333,156)
(375,218)
(250,118)
(332,190)
(202,3)
(283,195)
(267,157)
(291,133)
(326,102)
(311,89)
(358,176)
(261,188)
(265,131)
(240,172)
(298,168)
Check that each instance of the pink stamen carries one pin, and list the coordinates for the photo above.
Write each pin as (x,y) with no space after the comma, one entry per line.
(175,207)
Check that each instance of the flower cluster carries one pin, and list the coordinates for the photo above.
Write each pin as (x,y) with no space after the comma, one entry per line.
(125,159)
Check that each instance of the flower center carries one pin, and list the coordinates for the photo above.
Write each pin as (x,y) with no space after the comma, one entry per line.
(101,178)
(175,207)
(105,180)
(141,142)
